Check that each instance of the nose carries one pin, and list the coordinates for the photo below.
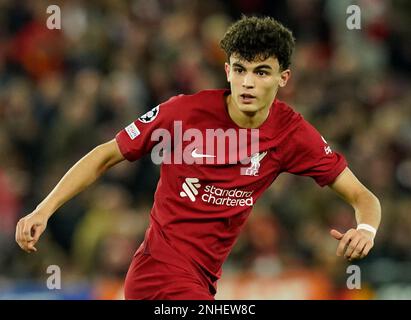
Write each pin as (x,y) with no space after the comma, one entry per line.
(248,81)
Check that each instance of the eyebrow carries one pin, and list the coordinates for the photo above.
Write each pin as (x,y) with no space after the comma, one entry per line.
(263,66)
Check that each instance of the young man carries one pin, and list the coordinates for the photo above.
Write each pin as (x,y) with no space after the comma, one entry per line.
(206,190)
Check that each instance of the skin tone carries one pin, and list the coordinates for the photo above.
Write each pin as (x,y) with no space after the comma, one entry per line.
(254,86)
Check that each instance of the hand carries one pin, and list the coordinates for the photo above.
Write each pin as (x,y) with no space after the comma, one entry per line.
(29,230)
(354,244)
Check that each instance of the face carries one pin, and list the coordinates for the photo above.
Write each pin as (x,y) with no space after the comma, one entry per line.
(254,85)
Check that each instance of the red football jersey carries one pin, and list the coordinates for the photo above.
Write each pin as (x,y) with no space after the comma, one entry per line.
(202,202)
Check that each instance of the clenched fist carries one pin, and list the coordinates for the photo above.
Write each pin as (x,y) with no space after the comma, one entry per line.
(29,229)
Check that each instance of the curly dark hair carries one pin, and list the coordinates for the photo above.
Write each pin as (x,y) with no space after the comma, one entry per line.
(258,38)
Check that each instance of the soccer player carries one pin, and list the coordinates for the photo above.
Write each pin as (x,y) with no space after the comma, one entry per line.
(209,181)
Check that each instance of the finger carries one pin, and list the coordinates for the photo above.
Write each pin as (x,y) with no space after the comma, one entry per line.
(18,235)
(336,234)
(344,242)
(27,231)
(367,249)
(37,231)
(31,247)
(18,232)
(352,245)
(358,249)
(21,238)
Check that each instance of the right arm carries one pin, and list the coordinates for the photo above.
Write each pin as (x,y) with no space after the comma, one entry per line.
(87,170)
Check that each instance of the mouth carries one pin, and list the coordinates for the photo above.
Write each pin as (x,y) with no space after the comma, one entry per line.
(247,98)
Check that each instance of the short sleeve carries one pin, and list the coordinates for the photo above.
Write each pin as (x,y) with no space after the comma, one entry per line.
(307,153)
(141,135)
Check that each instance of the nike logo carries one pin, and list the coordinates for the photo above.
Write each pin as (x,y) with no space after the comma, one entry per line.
(194,154)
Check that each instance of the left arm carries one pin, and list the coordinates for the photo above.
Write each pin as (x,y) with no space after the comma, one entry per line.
(356,243)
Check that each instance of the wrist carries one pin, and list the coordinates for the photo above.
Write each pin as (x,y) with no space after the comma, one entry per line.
(44,211)
(367,227)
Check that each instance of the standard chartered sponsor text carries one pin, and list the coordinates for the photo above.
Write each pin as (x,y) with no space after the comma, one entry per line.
(228,197)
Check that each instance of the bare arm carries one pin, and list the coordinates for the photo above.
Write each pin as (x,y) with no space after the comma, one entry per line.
(355,244)
(87,170)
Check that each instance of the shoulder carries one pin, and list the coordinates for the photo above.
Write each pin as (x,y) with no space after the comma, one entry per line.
(284,121)
(295,129)
(187,105)
(285,115)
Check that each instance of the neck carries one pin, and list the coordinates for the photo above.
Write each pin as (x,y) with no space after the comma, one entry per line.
(243,119)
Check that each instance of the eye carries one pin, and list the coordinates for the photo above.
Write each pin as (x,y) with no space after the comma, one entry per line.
(238,70)
(262,73)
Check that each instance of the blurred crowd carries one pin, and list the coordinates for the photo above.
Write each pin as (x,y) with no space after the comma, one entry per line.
(62,92)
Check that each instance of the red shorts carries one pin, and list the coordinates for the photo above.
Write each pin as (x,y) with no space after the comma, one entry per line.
(150,279)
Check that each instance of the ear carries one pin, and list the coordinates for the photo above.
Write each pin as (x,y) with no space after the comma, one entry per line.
(227,71)
(284,77)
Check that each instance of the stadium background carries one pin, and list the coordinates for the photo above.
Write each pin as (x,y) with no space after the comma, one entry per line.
(62,92)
